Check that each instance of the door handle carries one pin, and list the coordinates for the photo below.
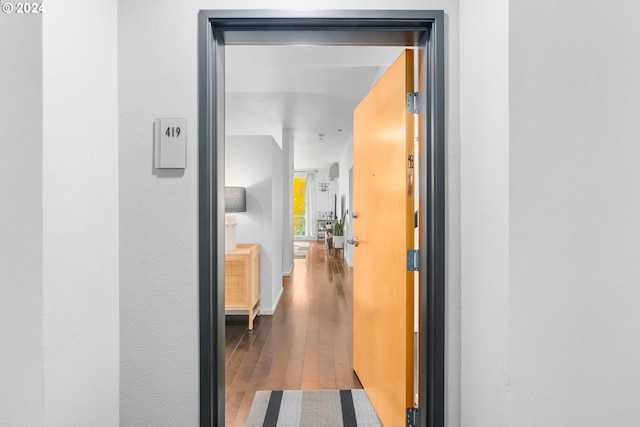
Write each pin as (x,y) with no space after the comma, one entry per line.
(353,241)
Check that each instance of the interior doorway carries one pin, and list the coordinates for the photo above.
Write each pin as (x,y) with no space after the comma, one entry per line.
(312,91)
(423,29)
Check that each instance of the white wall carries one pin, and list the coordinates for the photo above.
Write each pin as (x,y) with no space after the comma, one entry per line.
(277,228)
(324,199)
(255,162)
(80,214)
(158,232)
(484,99)
(345,164)
(574,230)
(21,364)
(158,217)
(287,202)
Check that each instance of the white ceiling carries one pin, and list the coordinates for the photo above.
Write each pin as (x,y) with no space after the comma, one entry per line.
(311,90)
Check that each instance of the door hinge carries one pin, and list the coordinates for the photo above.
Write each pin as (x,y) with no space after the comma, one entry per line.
(412,417)
(413,260)
(412,103)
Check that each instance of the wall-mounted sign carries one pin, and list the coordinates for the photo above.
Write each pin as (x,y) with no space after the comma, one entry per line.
(170,144)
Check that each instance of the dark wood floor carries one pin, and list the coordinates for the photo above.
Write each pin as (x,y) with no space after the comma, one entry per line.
(305,345)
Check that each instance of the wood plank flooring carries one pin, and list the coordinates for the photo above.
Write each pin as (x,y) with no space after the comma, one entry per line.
(305,345)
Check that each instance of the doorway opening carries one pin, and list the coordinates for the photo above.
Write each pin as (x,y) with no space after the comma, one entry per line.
(312,91)
(423,29)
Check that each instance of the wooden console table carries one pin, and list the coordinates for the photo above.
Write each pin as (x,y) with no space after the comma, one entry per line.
(242,279)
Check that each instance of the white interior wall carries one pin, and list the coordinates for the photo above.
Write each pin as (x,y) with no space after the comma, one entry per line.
(324,199)
(484,80)
(255,162)
(157,60)
(80,214)
(346,163)
(574,296)
(287,202)
(21,363)
(277,227)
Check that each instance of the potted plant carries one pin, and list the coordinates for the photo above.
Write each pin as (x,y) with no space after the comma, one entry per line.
(338,231)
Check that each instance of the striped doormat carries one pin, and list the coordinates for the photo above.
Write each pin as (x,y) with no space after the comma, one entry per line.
(312,408)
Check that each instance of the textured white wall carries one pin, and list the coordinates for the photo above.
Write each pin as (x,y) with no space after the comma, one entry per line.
(80,214)
(255,162)
(484,118)
(21,365)
(158,217)
(574,228)
(158,231)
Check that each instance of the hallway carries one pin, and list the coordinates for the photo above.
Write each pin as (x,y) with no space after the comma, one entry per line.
(306,344)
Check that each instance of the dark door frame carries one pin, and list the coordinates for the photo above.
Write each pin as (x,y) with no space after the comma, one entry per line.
(421,28)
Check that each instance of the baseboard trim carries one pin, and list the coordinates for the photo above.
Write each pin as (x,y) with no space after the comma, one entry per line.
(287,274)
(269,312)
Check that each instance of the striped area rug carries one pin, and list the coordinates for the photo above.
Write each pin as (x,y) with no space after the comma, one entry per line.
(312,408)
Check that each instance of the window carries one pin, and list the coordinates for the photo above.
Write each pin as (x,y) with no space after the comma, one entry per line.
(299,206)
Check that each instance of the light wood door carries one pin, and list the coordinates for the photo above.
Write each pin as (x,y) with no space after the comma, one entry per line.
(382,287)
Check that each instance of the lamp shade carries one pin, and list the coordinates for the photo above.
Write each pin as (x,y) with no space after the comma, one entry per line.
(235,199)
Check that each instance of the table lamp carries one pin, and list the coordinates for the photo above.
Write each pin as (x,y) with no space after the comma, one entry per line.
(235,200)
